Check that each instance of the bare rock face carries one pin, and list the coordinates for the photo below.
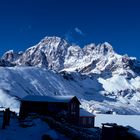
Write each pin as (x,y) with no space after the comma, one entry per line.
(11,56)
(4,63)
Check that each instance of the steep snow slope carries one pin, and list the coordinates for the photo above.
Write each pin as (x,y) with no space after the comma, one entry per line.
(18,82)
(101,78)
(21,81)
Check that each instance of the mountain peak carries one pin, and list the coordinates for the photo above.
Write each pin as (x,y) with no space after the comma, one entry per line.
(107,44)
(94,72)
(11,55)
(56,54)
(51,39)
(105,48)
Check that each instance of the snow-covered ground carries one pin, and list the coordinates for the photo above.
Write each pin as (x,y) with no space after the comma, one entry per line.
(125,120)
(17,82)
(35,131)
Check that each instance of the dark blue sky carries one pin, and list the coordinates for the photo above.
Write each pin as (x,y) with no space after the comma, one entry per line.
(24,23)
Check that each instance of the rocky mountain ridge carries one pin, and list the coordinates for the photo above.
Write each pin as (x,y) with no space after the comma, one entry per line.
(56,54)
(102,79)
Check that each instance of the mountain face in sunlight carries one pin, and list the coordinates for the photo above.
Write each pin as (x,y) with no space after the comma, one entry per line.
(102,79)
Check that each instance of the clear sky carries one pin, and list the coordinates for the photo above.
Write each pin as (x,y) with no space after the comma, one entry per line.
(24,23)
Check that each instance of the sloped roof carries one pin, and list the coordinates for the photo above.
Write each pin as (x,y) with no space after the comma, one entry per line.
(84,113)
(37,98)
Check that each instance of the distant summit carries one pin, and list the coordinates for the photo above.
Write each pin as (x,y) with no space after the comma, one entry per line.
(56,54)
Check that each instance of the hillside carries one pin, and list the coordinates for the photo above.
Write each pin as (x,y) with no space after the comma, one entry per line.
(102,79)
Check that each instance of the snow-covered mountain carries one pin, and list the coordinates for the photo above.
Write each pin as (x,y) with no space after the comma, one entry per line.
(56,54)
(102,79)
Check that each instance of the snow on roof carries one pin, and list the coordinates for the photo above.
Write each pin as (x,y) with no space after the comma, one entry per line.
(85,113)
(38,98)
